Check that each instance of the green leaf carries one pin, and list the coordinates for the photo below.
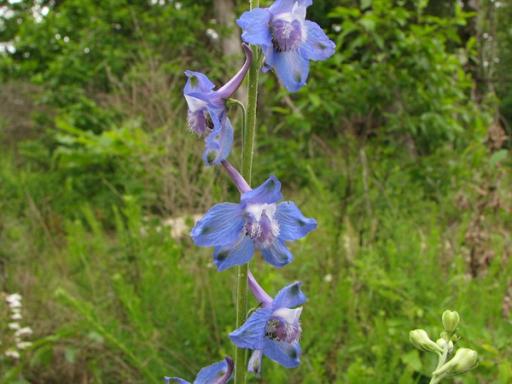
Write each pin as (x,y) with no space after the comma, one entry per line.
(70,355)
(366,4)
(368,24)
(499,156)
(412,359)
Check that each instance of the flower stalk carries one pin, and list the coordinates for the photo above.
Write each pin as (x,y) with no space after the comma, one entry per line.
(249,139)
(281,39)
(440,362)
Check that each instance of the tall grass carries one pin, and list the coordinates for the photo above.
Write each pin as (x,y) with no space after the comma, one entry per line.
(118,300)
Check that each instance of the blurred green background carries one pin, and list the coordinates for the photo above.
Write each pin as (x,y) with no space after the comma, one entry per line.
(399,145)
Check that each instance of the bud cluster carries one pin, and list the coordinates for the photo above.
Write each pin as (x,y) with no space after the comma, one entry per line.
(450,362)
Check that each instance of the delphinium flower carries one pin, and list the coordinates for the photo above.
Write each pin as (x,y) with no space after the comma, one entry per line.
(218,373)
(259,222)
(274,329)
(207,114)
(287,39)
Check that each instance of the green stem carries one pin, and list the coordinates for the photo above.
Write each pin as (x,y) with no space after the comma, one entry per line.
(249,139)
(440,362)
(244,118)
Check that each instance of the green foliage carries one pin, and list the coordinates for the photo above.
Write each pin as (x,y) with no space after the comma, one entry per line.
(371,86)
(134,305)
(503,58)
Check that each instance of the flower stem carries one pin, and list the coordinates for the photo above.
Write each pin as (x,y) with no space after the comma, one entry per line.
(442,359)
(247,157)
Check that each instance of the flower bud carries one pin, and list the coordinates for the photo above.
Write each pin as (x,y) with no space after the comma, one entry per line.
(450,321)
(448,345)
(419,338)
(442,343)
(464,360)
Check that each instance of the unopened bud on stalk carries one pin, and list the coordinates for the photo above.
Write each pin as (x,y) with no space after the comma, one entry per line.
(442,343)
(464,360)
(450,321)
(419,338)
(445,344)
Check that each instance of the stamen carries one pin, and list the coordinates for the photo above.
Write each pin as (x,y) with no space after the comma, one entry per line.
(286,35)
(280,330)
(261,224)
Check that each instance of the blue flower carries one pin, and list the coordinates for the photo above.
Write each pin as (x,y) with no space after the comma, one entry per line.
(258,222)
(207,115)
(218,373)
(274,329)
(287,39)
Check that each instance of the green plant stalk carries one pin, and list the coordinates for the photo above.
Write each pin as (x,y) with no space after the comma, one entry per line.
(440,362)
(249,138)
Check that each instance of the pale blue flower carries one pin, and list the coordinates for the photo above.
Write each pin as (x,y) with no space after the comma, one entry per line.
(274,329)
(287,39)
(218,373)
(259,221)
(207,114)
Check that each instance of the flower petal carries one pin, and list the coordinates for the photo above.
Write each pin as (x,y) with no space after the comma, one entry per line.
(288,6)
(268,53)
(291,68)
(235,254)
(254,364)
(196,102)
(267,193)
(255,27)
(218,373)
(293,224)
(197,82)
(221,225)
(277,254)
(196,121)
(290,296)
(317,45)
(290,315)
(169,380)
(251,334)
(286,354)
(219,142)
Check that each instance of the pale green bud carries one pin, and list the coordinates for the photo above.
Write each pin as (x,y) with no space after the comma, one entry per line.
(464,360)
(445,345)
(450,321)
(442,343)
(419,338)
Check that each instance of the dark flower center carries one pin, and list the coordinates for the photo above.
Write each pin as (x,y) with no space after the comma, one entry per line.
(200,122)
(280,330)
(209,121)
(286,35)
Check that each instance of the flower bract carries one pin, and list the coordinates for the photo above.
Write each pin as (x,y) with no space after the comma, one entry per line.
(218,373)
